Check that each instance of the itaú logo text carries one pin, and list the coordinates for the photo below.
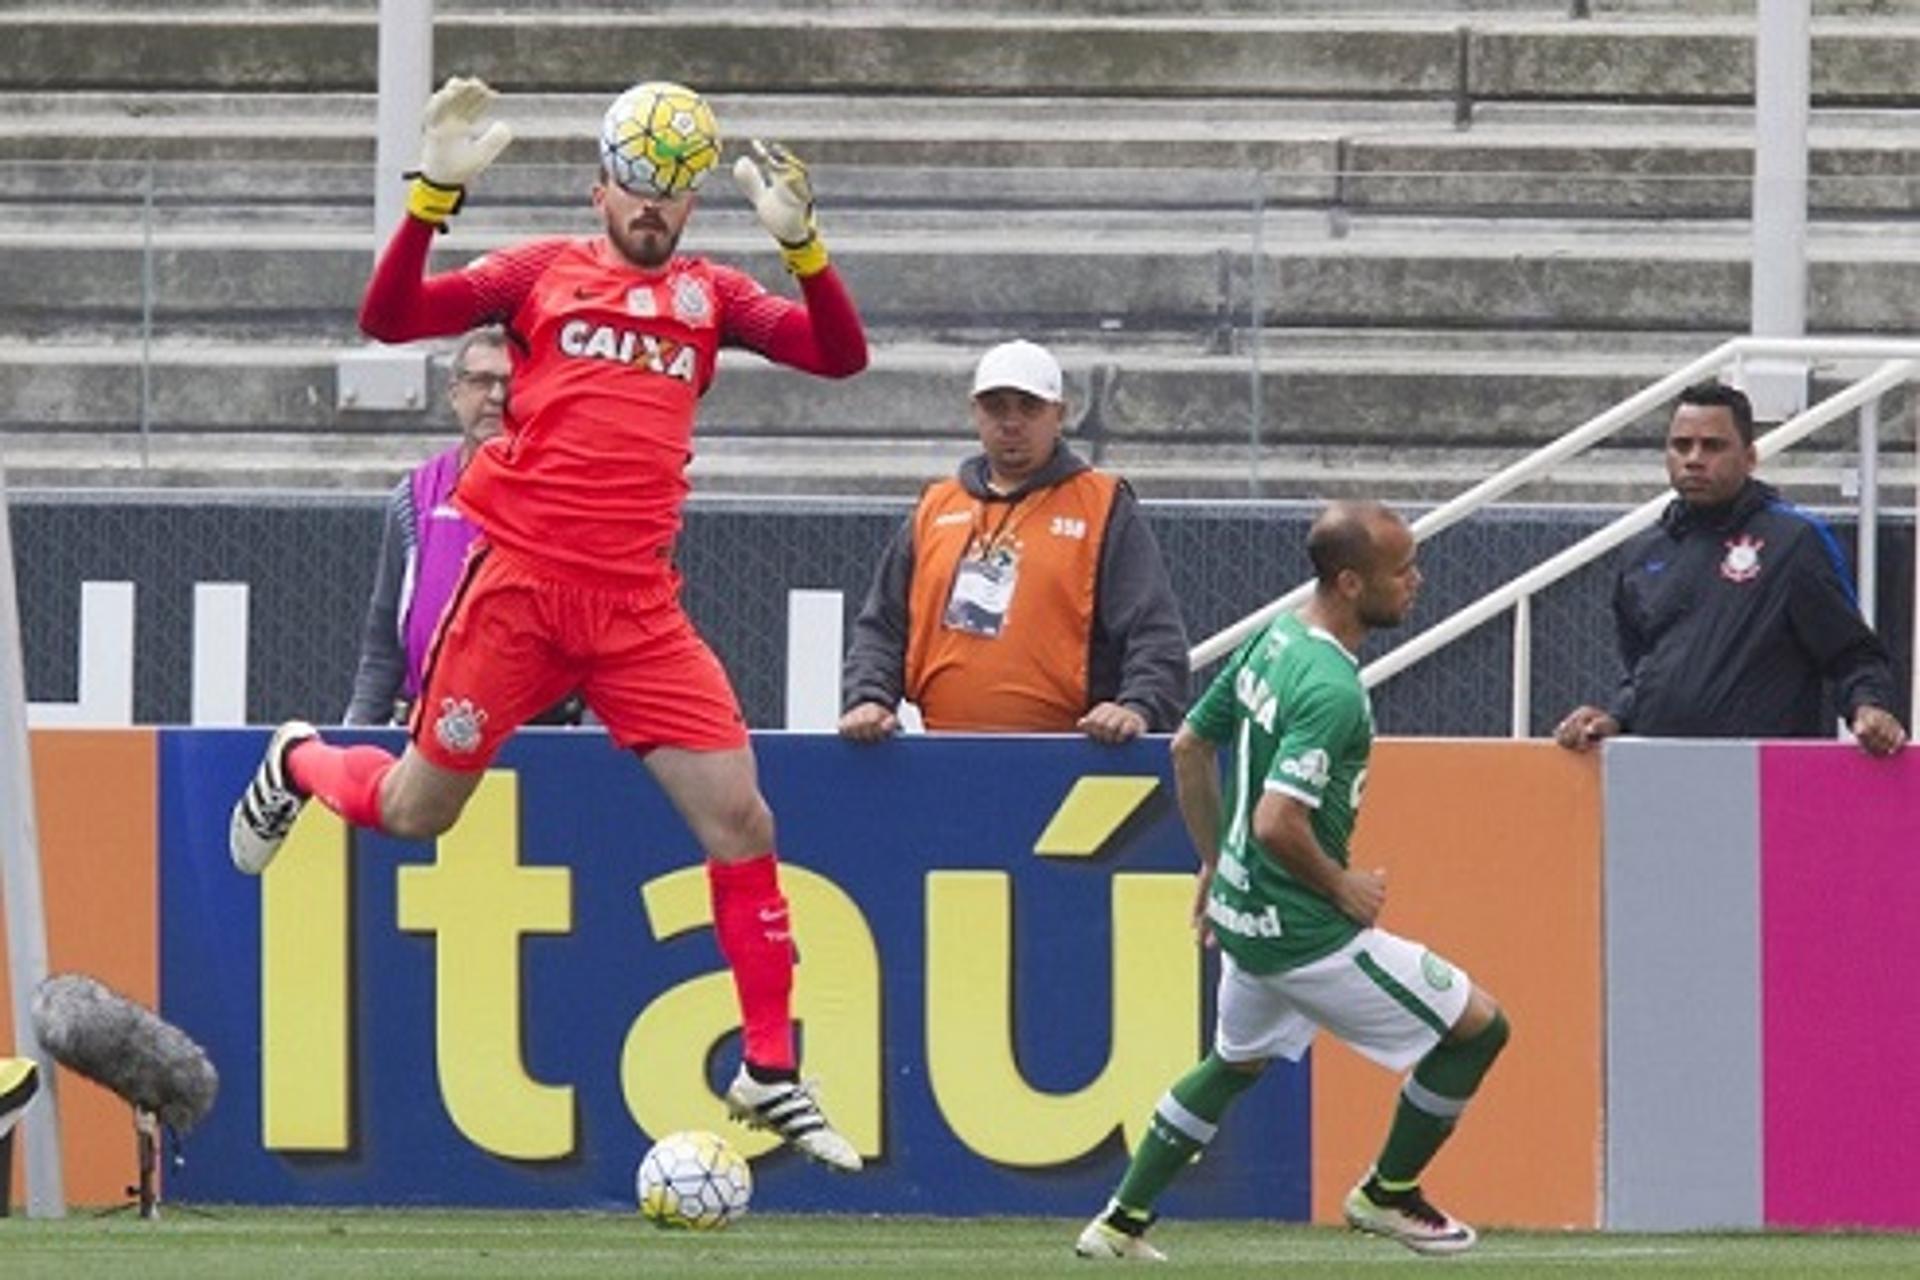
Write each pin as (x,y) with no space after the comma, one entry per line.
(587,340)
(512,1090)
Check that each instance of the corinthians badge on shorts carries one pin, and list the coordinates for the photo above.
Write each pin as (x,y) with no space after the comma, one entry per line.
(458,728)
(1743,558)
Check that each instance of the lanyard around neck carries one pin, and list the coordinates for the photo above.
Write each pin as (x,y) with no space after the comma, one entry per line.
(988,542)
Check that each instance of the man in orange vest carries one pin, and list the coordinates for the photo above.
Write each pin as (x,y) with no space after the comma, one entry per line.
(1025,594)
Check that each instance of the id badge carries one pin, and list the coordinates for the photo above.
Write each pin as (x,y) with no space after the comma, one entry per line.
(982,593)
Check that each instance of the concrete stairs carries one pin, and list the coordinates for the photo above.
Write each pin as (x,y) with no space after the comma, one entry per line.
(1430,236)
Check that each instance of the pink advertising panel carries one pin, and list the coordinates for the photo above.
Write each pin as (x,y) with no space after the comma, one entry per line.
(1840,906)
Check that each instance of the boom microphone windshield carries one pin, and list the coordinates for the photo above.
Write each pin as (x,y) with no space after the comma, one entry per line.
(126,1048)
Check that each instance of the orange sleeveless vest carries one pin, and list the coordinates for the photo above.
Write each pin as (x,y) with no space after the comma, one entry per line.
(1032,677)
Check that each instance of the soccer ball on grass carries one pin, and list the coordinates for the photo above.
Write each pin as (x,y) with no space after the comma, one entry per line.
(693,1181)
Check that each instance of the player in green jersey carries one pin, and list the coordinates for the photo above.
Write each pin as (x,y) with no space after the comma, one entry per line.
(1294,922)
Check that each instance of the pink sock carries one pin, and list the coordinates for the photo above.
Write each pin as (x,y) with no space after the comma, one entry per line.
(750,919)
(345,779)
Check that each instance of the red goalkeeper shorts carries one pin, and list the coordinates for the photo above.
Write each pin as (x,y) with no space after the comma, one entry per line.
(515,640)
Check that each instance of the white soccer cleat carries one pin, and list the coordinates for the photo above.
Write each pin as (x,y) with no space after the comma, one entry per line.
(266,810)
(789,1109)
(1104,1241)
(1407,1217)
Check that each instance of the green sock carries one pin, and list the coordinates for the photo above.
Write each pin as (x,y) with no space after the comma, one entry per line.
(1411,1144)
(1431,1103)
(1182,1124)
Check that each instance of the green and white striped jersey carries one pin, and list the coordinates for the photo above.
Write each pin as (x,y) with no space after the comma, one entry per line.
(1291,705)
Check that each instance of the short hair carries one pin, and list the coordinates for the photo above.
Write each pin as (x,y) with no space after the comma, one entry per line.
(1342,538)
(1718,395)
(487,335)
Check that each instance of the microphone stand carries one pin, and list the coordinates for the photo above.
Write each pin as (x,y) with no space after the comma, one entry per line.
(146,1145)
(145,1196)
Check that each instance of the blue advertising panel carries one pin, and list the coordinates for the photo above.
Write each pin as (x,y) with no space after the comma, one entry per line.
(996,982)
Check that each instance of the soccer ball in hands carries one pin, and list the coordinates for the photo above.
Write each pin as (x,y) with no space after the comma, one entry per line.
(659,139)
(693,1181)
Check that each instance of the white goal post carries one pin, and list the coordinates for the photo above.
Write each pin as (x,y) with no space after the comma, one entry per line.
(26,920)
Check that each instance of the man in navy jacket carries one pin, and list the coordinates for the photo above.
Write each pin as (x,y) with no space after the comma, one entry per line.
(1735,610)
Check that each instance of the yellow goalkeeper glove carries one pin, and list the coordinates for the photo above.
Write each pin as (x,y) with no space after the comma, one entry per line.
(775,183)
(453,148)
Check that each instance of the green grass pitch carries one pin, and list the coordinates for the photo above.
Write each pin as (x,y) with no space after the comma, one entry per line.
(399,1244)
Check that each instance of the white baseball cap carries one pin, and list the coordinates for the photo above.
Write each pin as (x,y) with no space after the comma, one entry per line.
(1021,365)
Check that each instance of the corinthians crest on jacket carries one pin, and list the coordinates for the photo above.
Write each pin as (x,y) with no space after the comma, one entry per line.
(1742,562)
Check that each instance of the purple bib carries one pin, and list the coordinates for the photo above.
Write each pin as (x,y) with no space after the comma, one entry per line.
(441,537)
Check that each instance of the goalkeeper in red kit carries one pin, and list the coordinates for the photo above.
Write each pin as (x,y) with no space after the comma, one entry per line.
(572,585)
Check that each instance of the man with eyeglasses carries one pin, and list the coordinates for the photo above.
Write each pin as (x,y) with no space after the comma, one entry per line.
(425,542)
(615,338)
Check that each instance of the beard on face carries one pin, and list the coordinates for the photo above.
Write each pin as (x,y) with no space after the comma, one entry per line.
(643,241)
(1378,615)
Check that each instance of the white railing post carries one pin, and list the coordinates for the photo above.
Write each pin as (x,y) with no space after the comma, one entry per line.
(1782,76)
(1523,667)
(1867,557)
(405,62)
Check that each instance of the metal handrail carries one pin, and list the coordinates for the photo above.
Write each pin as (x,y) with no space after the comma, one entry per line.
(1492,488)
(1899,363)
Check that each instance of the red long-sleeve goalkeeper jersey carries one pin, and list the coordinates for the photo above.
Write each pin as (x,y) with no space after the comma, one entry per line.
(609,364)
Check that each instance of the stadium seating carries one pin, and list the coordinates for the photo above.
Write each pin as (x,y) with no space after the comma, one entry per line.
(1465,226)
